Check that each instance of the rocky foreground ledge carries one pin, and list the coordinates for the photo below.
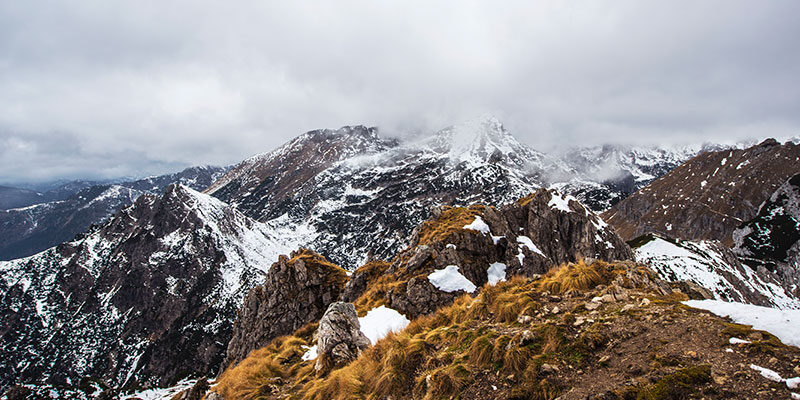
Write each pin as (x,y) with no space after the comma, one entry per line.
(583,331)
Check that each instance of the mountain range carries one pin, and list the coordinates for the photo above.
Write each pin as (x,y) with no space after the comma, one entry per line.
(44,219)
(182,276)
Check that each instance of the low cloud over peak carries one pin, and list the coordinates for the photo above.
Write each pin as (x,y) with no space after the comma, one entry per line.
(96,89)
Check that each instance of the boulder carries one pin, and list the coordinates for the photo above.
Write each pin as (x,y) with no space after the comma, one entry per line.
(339,337)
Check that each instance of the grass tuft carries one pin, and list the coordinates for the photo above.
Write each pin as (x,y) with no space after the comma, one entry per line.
(579,276)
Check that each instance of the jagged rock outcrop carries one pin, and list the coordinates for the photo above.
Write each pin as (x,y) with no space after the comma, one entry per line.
(146,298)
(709,196)
(296,291)
(528,237)
(339,337)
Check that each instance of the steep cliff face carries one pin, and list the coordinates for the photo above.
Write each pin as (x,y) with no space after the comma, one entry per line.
(297,291)
(772,239)
(148,297)
(709,196)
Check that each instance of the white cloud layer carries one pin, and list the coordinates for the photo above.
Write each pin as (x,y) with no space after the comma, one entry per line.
(98,88)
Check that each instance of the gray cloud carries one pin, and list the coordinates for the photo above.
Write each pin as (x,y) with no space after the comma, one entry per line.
(97,88)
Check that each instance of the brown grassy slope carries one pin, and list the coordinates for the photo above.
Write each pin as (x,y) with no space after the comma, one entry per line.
(515,340)
(708,196)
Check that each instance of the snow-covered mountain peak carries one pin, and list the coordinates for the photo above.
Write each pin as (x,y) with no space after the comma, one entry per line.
(483,138)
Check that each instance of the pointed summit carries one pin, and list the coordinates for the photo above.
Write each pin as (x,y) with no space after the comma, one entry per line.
(481,139)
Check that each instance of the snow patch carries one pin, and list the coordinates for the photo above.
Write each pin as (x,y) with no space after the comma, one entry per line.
(380,321)
(496,273)
(525,241)
(450,280)
(560,203)
(793,383)
(479,225)
(767,373)
(310,354)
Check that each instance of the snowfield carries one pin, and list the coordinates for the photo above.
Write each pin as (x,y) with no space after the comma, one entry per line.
(784,324)
(704,263)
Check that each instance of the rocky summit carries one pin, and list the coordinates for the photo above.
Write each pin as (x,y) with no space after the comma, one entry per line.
(297,291)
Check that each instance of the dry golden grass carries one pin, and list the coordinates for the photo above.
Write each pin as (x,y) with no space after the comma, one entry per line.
(481,349)
(375,295)
(250,378)
(442,383)
(438,355)
(579,276)
(452,219)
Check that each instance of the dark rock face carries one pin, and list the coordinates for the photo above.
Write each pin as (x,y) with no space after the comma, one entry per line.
(528,237)
(339,337)
(297,291)
(146,298)
(772,238)
(55,219)
(708,196)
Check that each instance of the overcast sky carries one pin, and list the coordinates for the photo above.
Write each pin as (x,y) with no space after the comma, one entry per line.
(111,88)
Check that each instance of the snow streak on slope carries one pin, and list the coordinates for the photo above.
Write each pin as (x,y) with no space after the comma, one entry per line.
(714,267)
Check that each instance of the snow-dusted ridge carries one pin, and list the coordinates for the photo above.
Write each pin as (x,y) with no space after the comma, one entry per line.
(714,267)
(109,303)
